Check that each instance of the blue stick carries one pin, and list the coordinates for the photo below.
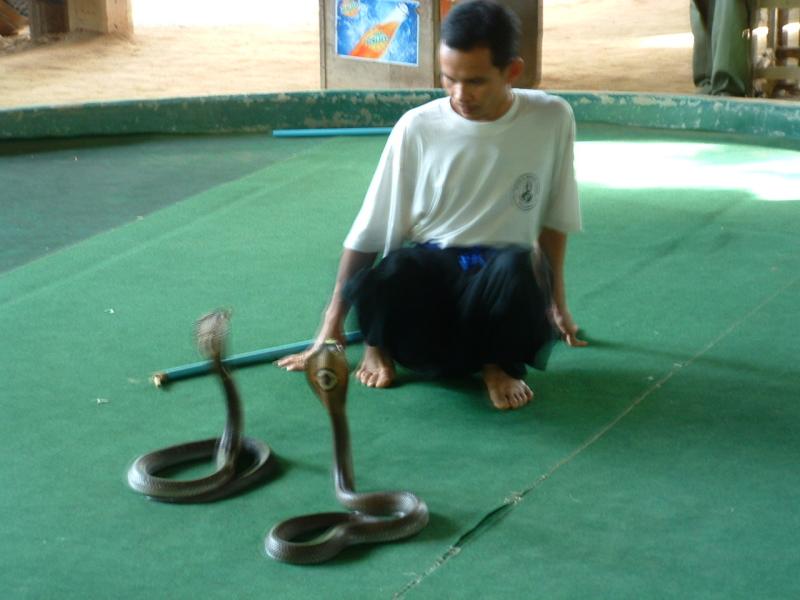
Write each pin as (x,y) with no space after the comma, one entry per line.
(255,357)
(293,133)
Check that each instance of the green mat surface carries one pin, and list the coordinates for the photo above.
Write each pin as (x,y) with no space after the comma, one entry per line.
(57,192)
(661,461)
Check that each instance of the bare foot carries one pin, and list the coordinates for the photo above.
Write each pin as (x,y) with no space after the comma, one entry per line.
(505,392)
(376,368)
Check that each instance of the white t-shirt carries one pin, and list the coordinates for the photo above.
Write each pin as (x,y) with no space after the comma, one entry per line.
(456,182)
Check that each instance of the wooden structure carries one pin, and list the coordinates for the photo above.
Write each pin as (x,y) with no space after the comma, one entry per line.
(103,16)
(48,17)
(62,16)
(775,56)
(11,21)
(338,70)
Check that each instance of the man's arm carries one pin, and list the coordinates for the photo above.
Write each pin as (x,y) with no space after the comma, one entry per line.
(554,245)
(332,326)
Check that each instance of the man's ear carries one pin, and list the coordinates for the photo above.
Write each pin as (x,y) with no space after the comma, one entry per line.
(515,69)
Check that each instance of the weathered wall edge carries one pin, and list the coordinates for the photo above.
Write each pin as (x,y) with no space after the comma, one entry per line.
(265,112)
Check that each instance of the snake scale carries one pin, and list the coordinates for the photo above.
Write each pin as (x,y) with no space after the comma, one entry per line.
(373,517)
(240,461)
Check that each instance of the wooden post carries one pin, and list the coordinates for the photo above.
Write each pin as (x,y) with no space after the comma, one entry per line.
(48,17)
(102,16)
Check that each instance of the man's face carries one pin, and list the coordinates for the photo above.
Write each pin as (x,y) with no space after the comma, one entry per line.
(478,90)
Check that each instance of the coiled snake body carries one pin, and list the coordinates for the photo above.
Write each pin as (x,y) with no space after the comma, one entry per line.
(374,517)
(240,461)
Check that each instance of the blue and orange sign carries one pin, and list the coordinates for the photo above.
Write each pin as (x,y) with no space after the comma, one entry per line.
(378,30)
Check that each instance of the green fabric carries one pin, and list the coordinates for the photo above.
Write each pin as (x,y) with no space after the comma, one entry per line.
(691,493)
(721,50)
(57,192)
(659,461)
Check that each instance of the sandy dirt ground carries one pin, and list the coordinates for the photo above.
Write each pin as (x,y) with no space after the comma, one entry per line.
(273,45)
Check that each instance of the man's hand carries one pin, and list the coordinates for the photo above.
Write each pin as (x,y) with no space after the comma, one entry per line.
(350,263)
(567,327)
(297,362)
(554,245)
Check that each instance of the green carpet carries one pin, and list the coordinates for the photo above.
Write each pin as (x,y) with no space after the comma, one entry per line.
(58,192)
(661,461)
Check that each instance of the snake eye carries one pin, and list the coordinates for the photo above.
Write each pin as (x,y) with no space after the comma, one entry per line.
(327,379)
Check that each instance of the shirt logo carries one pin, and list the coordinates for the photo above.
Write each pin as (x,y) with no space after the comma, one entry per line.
(527,190)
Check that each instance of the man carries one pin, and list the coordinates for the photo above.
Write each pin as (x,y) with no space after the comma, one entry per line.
(470,206)
(721,49)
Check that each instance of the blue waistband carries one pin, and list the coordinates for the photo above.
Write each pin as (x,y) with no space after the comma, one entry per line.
(469,257)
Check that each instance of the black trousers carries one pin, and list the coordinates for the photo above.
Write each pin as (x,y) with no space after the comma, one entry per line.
(448,312)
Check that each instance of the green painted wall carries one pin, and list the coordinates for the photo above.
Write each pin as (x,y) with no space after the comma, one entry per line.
(263,113)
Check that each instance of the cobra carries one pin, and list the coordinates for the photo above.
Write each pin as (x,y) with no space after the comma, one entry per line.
(240,461)
(372,517)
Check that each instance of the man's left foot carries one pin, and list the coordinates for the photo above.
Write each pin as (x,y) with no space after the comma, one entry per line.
(505,392)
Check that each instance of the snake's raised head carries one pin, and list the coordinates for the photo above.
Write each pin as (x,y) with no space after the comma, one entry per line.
(327,372)
(211,331)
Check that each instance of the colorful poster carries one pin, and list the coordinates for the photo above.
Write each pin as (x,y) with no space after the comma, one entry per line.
(444,8)
(380,30)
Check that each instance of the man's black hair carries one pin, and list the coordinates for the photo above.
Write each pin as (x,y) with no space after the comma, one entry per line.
(483,24)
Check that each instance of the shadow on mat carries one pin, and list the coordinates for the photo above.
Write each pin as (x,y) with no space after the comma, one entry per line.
(675,357)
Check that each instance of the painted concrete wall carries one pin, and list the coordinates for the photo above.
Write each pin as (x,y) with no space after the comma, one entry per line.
(776,121)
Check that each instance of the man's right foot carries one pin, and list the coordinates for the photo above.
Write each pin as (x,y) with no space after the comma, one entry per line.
(376,368)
